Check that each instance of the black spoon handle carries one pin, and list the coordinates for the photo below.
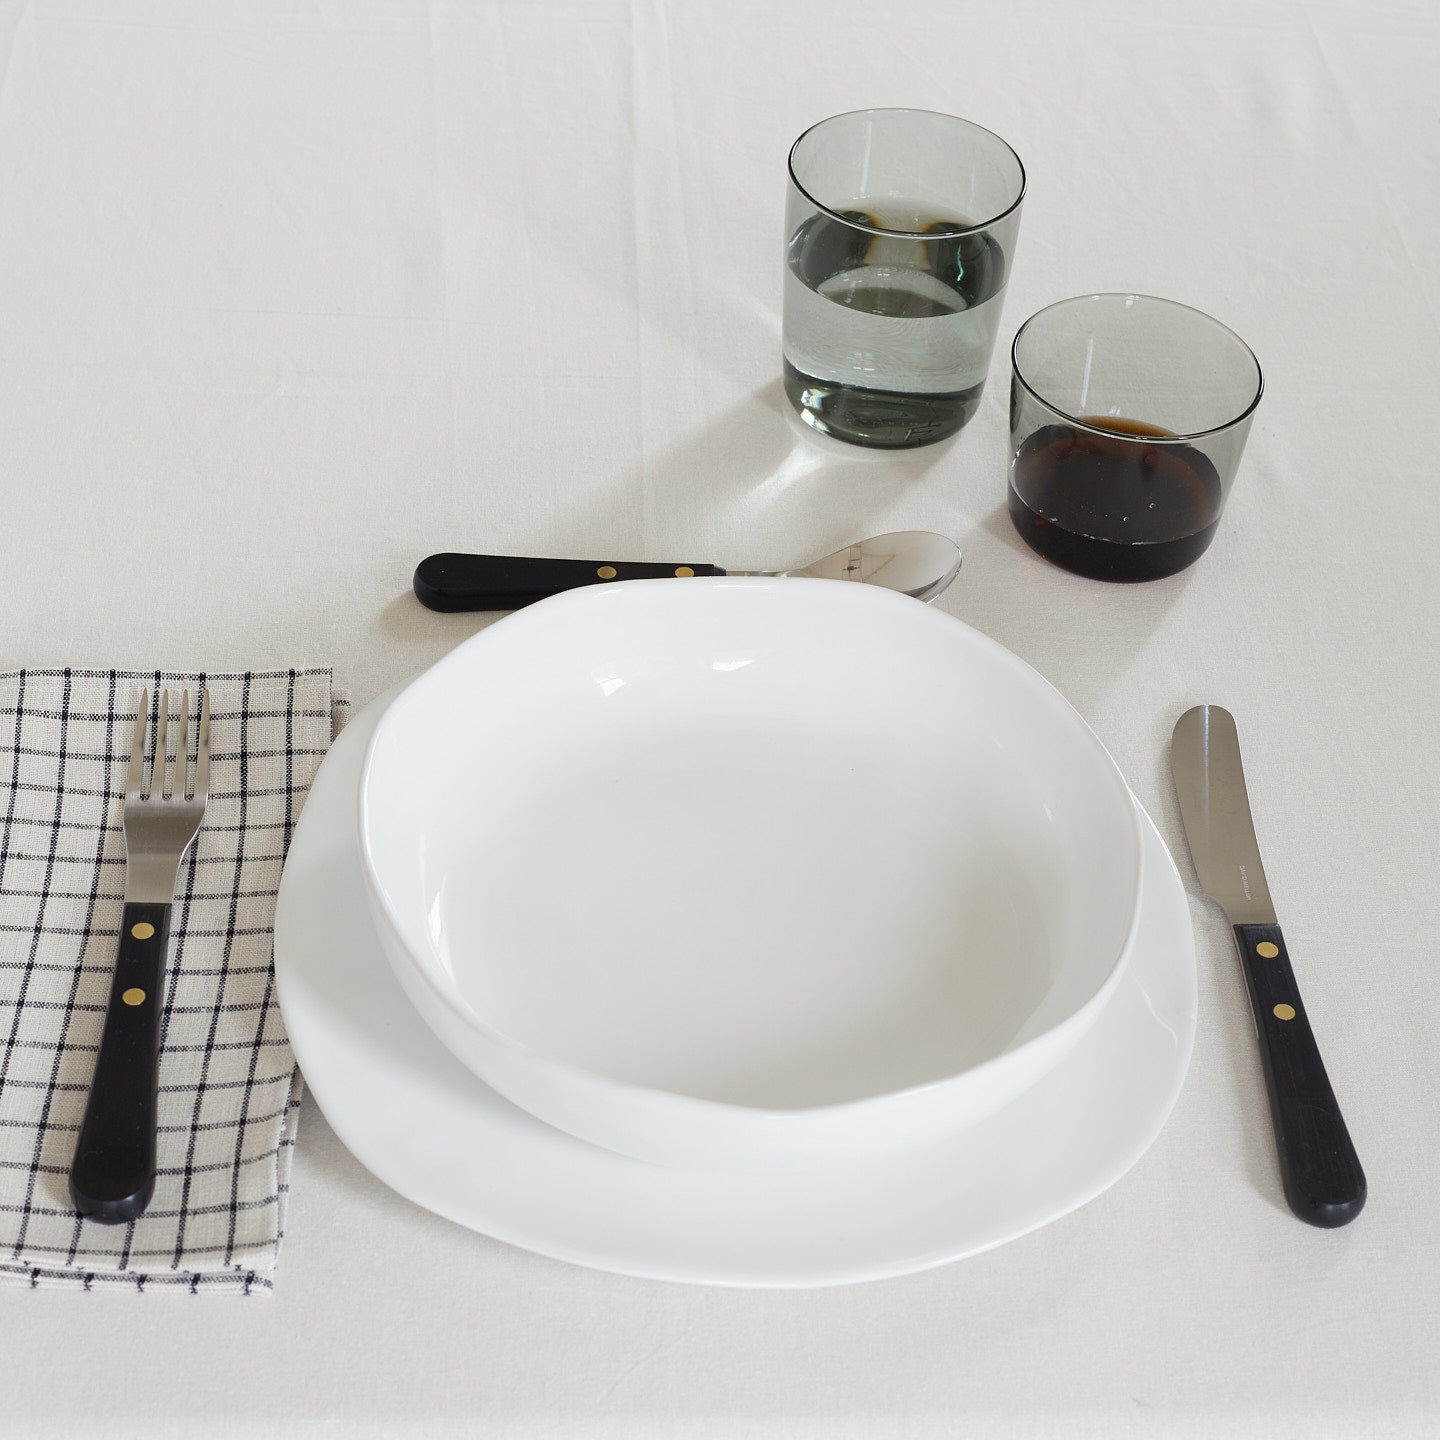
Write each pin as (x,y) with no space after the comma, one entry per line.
(506,582)
(113,1174)
(1321,1173)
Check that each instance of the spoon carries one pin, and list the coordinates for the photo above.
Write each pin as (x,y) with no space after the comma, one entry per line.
(914,562)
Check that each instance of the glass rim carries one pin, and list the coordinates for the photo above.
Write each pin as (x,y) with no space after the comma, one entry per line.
(1085,425)
(907,234)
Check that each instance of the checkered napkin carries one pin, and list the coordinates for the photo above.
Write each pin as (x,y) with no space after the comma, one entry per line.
(229,1090)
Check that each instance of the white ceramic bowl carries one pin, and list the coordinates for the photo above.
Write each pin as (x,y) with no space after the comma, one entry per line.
(747,873)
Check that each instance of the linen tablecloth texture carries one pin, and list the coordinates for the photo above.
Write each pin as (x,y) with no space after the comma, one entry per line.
(229,1090)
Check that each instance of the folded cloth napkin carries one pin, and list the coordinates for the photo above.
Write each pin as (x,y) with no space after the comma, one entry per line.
(229,1090)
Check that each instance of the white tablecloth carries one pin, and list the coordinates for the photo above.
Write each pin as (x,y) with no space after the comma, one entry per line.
(292,294)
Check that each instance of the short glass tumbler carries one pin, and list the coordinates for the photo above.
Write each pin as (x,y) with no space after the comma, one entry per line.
(900,228)
(1128,415)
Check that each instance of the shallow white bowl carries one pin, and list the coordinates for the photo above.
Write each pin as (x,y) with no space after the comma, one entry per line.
(747,873)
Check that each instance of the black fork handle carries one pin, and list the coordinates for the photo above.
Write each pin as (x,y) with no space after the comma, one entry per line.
(113,1174)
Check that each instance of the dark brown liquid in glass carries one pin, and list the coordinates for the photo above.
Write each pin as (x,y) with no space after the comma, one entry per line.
(1114,509)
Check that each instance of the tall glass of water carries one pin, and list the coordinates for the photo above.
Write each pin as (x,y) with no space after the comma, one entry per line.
(900,228)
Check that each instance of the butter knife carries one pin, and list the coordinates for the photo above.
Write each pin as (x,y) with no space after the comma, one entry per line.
(1321,1173)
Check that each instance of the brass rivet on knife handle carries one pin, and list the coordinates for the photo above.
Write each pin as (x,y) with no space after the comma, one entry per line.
(607,572)
(1284,1012)
(1268,950)
(134,996)
(143,931)
(684,571)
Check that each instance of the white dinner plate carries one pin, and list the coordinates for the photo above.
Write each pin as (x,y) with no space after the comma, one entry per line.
(427,1127)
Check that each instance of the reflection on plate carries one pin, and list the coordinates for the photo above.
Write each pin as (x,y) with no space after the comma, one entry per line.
(423,1124)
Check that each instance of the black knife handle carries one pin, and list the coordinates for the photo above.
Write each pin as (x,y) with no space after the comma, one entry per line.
(506,582)
(113,1174)
(1318,1165)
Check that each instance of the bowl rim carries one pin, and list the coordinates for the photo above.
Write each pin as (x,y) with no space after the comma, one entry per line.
(430,974)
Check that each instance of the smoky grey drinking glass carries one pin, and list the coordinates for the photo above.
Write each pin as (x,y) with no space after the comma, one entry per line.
(900,229)
(1128,416)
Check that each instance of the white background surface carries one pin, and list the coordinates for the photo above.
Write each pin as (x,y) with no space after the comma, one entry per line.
(291,295)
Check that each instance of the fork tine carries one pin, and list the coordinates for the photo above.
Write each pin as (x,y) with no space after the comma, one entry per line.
(182,746)
(135,775)
(162,724)
(202,748)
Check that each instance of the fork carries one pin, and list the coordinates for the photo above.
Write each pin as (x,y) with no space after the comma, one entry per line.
(113,1174)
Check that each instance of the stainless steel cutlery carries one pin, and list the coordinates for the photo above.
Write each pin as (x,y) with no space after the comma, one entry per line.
(915,562)
(113,1174)
(1321,1173)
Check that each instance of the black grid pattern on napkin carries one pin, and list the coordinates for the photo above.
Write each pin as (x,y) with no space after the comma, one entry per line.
(229,1091)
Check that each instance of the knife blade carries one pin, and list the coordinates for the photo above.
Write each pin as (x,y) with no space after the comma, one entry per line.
(1323,1181)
